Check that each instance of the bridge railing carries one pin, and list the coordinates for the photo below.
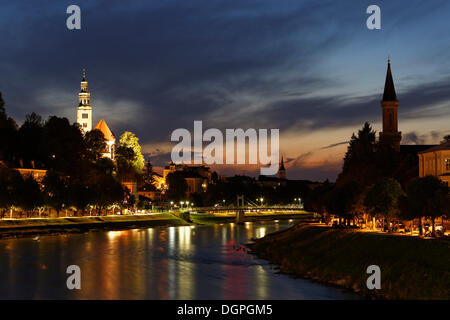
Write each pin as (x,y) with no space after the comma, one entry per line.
(252,208)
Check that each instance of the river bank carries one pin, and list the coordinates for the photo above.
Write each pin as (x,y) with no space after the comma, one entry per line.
(411,267)
(19,228)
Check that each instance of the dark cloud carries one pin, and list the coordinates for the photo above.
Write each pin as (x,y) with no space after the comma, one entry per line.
(154,66)
(432,137)
(334,145)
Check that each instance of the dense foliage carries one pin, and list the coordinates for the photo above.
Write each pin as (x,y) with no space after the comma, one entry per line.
(77,177)
(378,182)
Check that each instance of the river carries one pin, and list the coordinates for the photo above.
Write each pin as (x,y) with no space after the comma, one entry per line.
(206,262)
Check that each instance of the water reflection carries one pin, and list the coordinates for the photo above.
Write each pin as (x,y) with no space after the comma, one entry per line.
(164,263)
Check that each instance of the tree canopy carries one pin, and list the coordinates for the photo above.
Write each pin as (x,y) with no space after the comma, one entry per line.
(129,154)
(426,197)
(382,198)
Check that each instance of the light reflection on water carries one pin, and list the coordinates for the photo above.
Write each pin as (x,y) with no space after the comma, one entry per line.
(162,263)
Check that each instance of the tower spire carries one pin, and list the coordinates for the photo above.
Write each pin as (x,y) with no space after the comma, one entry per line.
(390,136)
(84,111)
(389,89)
(281,170)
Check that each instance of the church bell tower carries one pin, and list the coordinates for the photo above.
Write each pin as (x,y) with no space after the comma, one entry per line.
(390,136)
(84,112)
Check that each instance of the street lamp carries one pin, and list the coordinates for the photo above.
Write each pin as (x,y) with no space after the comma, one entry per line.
(182,202)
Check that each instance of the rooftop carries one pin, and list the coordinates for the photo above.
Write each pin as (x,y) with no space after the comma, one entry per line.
(443,146)
(103,127)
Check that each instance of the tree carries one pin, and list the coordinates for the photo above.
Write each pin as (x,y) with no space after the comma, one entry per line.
(105,165)
(446,138)
(196,200)
(128,141)
(383,197)
(315,199)
(124,159)
(105,190)
(64,146)
(31,140)
(10,181)
(214,177)
(56,190)
(426,197)
(2,106)
(80,194)
(341,201)
(149,173)
(177,186)
(95,144)
(30,193)
(129,199)
(359,161)
(8,134)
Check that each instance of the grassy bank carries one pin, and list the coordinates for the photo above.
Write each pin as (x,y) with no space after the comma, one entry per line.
(30,227)
(411,267)
(207,219)
(14,228)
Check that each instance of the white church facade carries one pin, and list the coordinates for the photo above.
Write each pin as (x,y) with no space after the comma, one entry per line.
(84,111)
(84,118)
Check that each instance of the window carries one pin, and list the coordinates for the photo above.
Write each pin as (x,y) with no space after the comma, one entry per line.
(84,125)
(85,116)
(447,164)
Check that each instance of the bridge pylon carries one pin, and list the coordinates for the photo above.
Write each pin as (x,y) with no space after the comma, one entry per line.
(240,209)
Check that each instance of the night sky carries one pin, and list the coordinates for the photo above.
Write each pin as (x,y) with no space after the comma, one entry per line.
(310,68)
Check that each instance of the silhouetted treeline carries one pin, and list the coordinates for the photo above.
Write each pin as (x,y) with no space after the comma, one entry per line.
(377,182)
(77,177)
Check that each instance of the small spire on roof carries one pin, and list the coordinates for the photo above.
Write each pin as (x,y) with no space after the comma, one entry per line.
(84,74)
